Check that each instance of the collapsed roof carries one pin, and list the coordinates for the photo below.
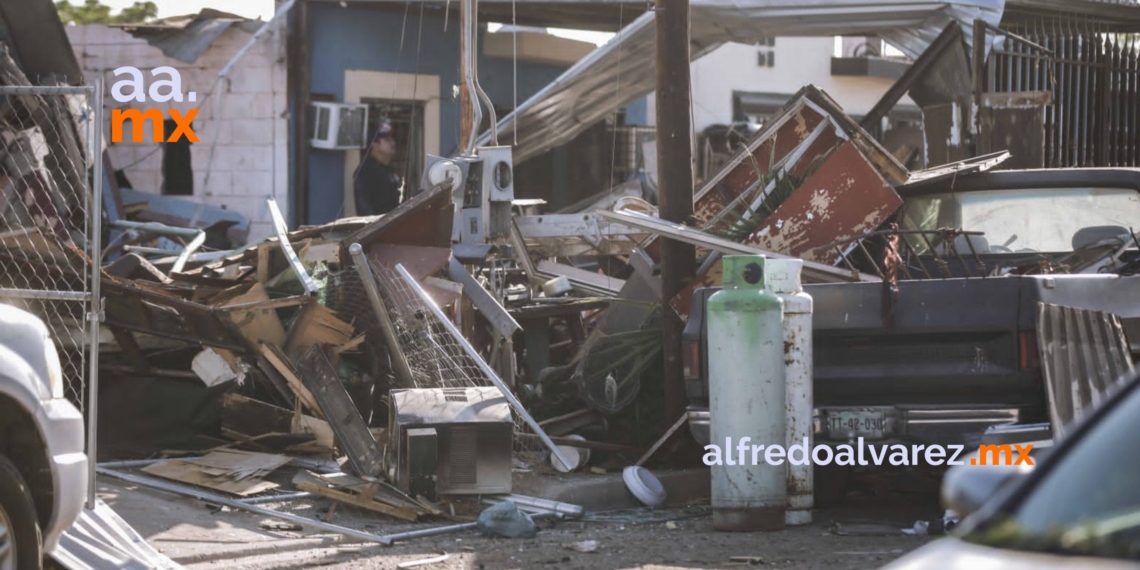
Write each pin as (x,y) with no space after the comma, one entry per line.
(623,70)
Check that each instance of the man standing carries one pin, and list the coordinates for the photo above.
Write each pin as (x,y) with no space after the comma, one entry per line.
(376,185)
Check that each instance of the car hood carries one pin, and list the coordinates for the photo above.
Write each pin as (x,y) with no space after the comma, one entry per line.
(955,554)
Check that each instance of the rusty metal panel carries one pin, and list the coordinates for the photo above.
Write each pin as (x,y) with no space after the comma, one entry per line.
(784,133)
(846,197)
(1084,355)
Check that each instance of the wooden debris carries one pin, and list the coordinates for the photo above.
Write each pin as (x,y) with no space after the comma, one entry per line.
(227,470)
(282,366)
(317,324)
(360,494)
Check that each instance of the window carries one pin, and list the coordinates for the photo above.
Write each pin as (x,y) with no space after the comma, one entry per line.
(1048,220)
(767,57)
(177,174)
(407,118)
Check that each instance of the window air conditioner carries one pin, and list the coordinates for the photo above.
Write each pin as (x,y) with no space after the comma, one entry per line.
(339,126)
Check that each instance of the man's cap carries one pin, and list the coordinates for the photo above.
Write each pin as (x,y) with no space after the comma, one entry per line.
(385,130)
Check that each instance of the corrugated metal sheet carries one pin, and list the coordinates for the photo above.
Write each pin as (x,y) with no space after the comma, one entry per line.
(623,70)
(1084,354)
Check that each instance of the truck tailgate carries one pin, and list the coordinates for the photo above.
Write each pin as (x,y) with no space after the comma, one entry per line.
(947,342)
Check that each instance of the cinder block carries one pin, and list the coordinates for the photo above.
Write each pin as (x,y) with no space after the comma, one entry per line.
(250,79)
(252,131)
(200,157)
(146,180)
(219,183)
(247,158)
(239,105)
(250,183)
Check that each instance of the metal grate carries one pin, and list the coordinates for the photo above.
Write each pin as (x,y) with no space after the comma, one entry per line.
(463,456)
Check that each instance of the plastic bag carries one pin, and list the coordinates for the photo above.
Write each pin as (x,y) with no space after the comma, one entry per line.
(505,520)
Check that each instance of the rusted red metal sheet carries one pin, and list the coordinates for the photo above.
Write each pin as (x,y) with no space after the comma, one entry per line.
(846,197)
(789,132)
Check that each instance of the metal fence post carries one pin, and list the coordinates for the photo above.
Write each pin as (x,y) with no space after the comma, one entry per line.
(96,304)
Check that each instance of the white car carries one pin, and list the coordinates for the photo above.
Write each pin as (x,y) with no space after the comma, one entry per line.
(43,467)
(1079,507)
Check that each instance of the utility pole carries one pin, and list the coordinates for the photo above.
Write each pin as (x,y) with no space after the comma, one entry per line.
(674,182)
(466,112)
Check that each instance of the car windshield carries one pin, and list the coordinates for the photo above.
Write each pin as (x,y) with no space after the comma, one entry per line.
(1089,502)
(1053,220)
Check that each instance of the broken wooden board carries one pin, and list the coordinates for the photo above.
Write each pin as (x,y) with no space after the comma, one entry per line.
(230,471)
(282,366)
(425,220)
(352,433)
(317,324)
(364,495)
(257,325)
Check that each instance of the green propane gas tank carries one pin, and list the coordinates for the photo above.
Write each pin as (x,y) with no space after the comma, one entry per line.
(746,398)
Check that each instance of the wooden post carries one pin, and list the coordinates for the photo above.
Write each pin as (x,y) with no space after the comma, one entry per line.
(466,111)
(300,83)
(674,182)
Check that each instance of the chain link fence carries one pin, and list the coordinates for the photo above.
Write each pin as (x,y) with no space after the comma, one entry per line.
(48,145)
(435,358)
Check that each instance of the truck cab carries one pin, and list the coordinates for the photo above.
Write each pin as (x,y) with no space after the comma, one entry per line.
(950,348)
(43,467)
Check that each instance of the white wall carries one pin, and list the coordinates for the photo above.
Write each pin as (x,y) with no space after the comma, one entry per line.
(251,158)
(799,61)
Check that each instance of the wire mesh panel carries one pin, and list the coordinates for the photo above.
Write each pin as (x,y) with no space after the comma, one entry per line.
(47,145)
(435,357)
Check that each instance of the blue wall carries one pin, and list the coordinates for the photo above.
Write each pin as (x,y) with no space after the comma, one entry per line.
(358,38)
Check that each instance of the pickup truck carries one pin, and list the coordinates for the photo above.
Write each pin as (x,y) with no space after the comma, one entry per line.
(953,351)
(43,467)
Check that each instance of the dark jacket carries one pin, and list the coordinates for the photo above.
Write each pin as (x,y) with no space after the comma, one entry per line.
(376,188)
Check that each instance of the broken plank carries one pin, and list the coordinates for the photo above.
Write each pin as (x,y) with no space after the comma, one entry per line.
(280,363)
(664,438)
(307,481)
(317,324)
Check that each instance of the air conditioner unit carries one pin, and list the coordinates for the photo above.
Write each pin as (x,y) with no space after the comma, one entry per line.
(338,126)
(457,440)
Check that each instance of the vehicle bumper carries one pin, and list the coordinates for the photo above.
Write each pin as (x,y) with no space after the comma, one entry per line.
(931,426)
(63,429)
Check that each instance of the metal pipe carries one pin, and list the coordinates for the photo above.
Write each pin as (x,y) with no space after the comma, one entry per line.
(157,228)
(275,498)
(287,248)
(469,8)
(44,295)
(511,399)
(95,317)
(193,493)
(568,509)
(475,75)
(187,251)
(133,463)
(436,531)
(364,270)
(48,90)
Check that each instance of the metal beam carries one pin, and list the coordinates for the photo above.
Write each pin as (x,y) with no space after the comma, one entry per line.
(814,271)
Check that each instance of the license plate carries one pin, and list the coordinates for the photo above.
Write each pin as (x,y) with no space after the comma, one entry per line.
(863,423)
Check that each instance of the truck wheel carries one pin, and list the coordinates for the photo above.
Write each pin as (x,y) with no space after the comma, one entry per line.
(21,547)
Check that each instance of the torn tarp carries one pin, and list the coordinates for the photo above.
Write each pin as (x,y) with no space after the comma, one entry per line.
(623,71)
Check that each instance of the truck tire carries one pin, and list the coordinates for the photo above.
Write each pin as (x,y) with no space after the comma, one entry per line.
(19,526)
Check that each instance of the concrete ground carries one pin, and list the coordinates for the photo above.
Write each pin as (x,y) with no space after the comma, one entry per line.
(202,536)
